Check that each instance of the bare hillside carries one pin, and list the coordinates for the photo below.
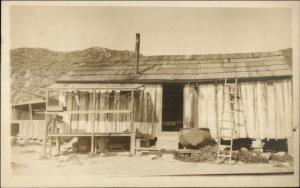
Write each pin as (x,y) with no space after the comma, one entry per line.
(33,69)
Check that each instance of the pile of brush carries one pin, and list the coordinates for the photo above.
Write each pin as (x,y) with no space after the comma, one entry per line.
(281,157)
(250,156)
(207,153)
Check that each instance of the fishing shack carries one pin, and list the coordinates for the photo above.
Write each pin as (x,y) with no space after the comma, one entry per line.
(155,97)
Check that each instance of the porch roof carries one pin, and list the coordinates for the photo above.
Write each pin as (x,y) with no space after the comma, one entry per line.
(28,102)
(124,87)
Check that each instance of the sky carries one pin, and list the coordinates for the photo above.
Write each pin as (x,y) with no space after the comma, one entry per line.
(163,30)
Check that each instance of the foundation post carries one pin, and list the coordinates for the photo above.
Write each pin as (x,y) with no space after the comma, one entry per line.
(132,143)
(46,119)
(58,145)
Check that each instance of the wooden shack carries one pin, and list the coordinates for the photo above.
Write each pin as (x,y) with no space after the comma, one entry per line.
(159,95)
(28,120)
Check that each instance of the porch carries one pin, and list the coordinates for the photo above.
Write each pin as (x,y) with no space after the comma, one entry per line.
(101,110)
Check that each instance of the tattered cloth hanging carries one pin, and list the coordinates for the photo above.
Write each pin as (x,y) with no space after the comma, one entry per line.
(62,99)
(77,99)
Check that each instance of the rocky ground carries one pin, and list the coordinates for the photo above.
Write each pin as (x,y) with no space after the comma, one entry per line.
(28,160)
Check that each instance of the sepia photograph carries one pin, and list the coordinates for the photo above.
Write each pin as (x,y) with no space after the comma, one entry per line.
(137,94)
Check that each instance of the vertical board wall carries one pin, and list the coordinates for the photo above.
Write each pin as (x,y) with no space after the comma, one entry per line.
(147,111)
(265,108)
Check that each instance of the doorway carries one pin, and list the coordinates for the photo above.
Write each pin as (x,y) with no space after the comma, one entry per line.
(172,109)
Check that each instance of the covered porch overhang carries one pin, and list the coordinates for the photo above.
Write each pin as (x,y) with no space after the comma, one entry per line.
(94,90)
(97,87)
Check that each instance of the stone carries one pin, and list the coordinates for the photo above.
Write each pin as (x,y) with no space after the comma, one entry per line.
(266,155)
(243,149)
(63,158)
(168,157)
(281,153)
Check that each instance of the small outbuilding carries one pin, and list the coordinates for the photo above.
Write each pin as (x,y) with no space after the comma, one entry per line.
(28,120)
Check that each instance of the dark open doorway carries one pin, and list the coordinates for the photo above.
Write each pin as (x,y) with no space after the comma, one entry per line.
(172,110)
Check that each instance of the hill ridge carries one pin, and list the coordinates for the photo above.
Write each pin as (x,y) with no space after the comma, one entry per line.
(33,69)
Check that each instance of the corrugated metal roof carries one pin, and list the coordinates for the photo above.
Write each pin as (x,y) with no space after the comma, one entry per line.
(185,68)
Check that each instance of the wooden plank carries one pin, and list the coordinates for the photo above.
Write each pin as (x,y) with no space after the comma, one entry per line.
(150,63)
(146,114)
(132,143)
(153,111)
(159,109)
(188,151)
(46,127)
(132,131)
(106,106)
(198,68)
(187,106)
(87,134)
(99,111)
(132,113)
(93,124)
(117,107)
(271,118)
(58,145)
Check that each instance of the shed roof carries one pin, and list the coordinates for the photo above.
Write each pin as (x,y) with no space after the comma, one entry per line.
(125,87)
(28,102)
(184,67)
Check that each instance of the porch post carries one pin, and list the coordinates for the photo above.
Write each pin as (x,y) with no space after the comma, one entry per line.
(58,145)
(30,111)
(93,125)
(132,132)
(46,119)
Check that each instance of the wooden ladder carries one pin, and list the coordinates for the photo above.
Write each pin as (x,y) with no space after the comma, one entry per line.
(227,127)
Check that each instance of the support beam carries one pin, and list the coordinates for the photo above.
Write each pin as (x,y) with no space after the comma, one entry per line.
(131,113)
(30,111)
(132,143)
(50,152)
(132,131)
(46,119)
(93,124)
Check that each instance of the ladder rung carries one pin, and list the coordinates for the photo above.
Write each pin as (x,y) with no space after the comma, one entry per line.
(230,111)
(230,84)
(227,137)
(232,102)
(227,120)
(225,145)
(222,155)
(228,129)
(228,92)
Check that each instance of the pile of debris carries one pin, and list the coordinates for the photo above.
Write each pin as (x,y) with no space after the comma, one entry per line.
(207,153)
(281,157)
(250,156)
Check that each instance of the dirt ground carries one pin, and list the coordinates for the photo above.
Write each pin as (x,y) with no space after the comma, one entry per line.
(28,160)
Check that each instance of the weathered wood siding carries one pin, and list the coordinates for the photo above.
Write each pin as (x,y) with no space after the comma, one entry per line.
(147,111)
(29,129)
(265,108)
